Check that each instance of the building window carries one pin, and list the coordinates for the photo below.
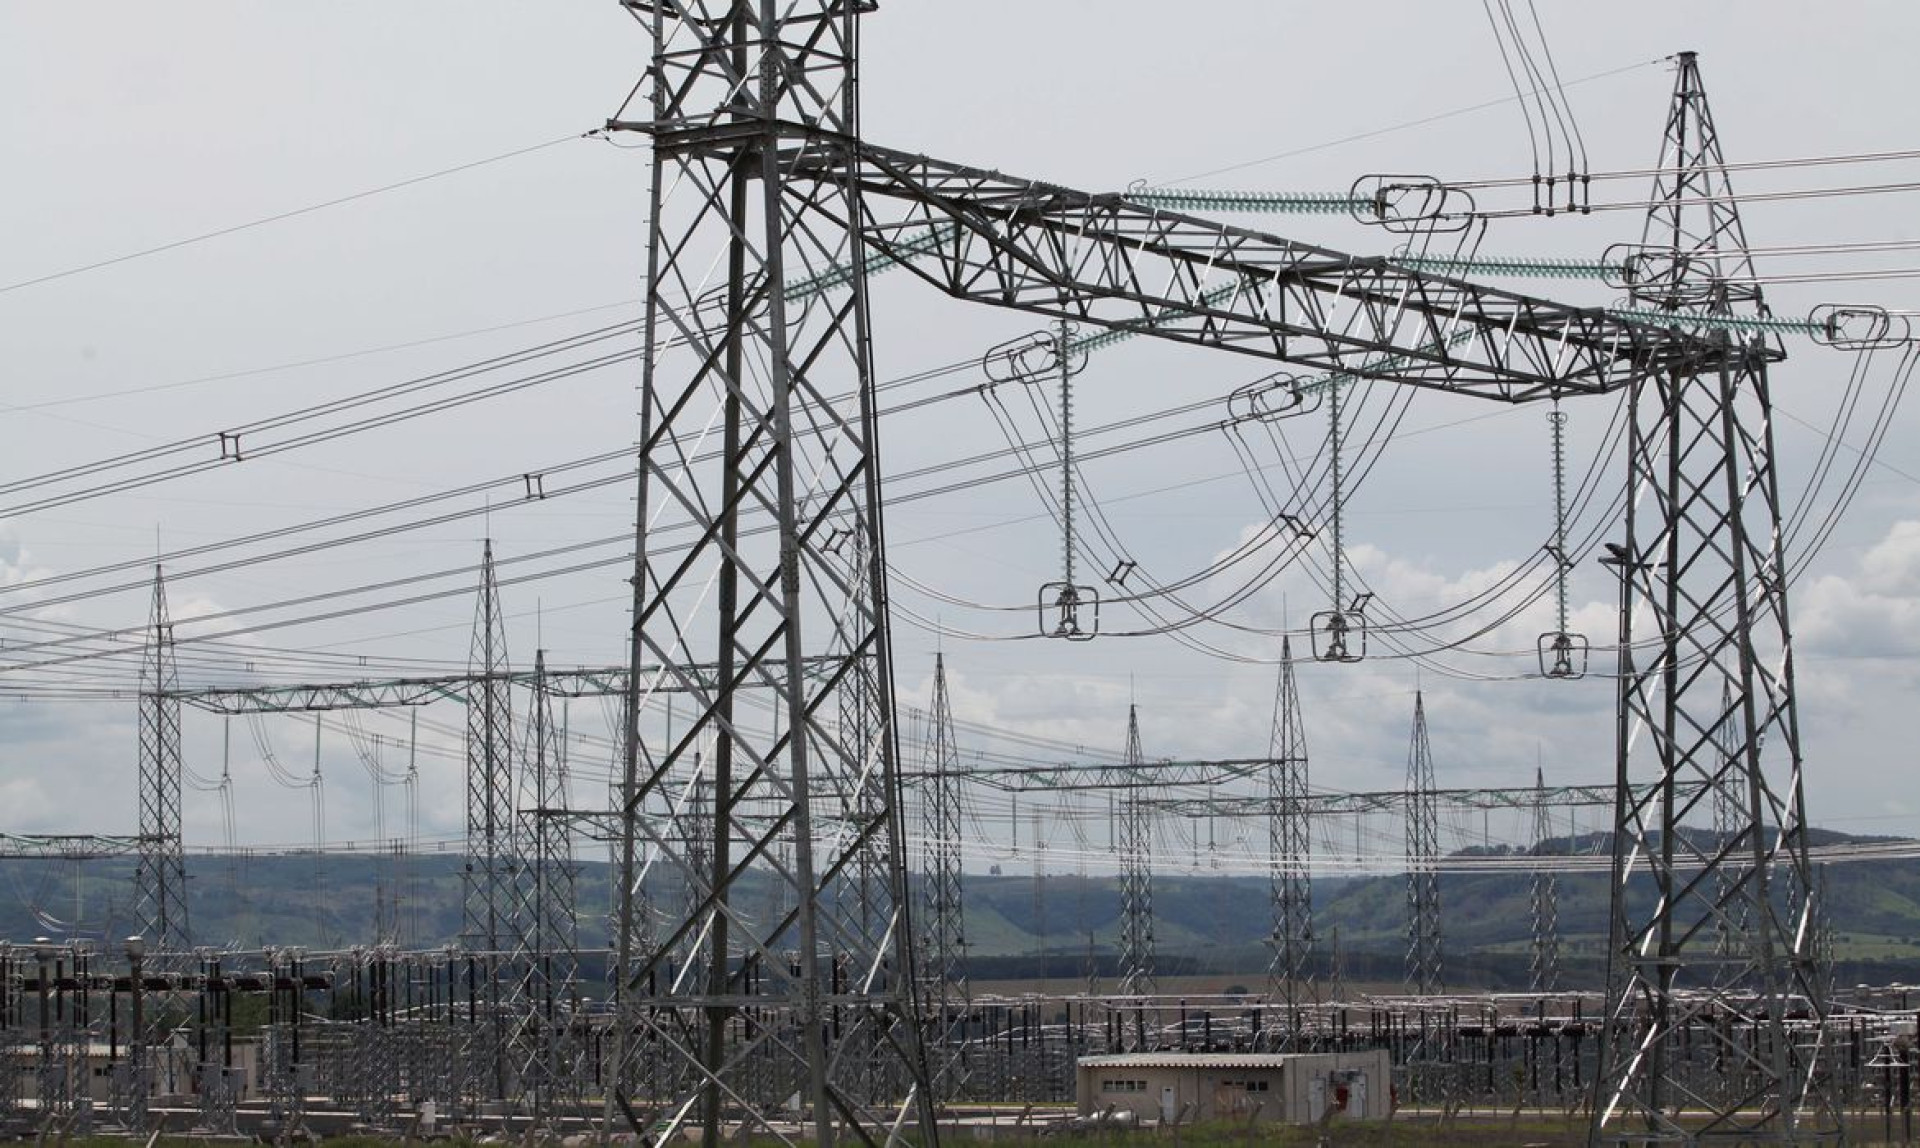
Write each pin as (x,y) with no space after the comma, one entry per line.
(1123,1086)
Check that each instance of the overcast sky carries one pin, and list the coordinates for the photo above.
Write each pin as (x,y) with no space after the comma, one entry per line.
(128,126)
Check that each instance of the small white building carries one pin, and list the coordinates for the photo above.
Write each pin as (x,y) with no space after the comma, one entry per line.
(1292,1088)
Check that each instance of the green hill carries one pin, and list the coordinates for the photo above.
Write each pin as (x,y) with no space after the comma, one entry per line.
(1204,922)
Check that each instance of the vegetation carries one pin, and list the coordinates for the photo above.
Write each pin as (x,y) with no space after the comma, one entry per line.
(1206,924)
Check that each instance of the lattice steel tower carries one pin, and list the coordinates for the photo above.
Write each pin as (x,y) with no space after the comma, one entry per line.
(1543,973)
(1136,877)
(1289,848)
(1423,853)
(492,835)
(1703,561)
(750,577)
(160,879)
(944,956)
(549,1055)
(494,923)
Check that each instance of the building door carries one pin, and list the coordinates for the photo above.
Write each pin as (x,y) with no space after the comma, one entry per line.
(1169,1104)
(1357,1096)
(1316,1099)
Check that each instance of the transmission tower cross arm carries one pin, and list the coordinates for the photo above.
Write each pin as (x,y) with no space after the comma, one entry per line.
(1396,800)
(64,846)
(1072,776)
(388,693)
(1099,258)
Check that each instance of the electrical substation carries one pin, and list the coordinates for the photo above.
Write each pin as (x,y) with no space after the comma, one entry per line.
(743,910)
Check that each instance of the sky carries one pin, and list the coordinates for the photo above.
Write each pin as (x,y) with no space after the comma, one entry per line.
(128,128)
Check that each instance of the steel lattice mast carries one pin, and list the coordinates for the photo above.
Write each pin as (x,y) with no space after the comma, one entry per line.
(1289,848)
(551,876)
(1703,562)
(944,956)
(1543,973)
(1423,851)
(1136,878)
(160,877)
(491,932)
(738,95)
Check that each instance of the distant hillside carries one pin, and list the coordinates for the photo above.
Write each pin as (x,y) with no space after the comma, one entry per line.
(1203,923)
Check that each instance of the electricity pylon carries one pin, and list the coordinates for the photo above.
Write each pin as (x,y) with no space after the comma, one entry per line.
(944,956)
(1423,853)
(493,932)
(1137,977)
(1702,561)
(160,877)
(1289,849)
(1543,973)
(757,404)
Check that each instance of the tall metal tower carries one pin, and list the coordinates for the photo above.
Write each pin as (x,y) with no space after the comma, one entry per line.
(1702,560)
(492,835)
(944,956)
(776,388)
(553,872)
(1336,967)
(1423,853)
(160,878)
(549,884)
(1543,974)
(1136,877)
(1289,847)
(493,929)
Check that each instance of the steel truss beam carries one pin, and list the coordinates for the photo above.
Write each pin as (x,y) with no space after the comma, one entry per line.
(1020,243)
(65,846)
(1066,776)
(1398,800)
(394,693)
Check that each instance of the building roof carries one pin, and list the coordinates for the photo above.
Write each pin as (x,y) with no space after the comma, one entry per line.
(1194,1059)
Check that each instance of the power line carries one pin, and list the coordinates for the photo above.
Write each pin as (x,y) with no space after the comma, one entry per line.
(292,214)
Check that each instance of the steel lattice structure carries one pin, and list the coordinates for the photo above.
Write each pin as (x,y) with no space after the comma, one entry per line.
(1703,561)
(160,878)
(1543,972)
(548,1043)
(944,955)
(729,89)
(1135,846)
(1290,848)
(753,115)
(493,926)
(1424,975)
